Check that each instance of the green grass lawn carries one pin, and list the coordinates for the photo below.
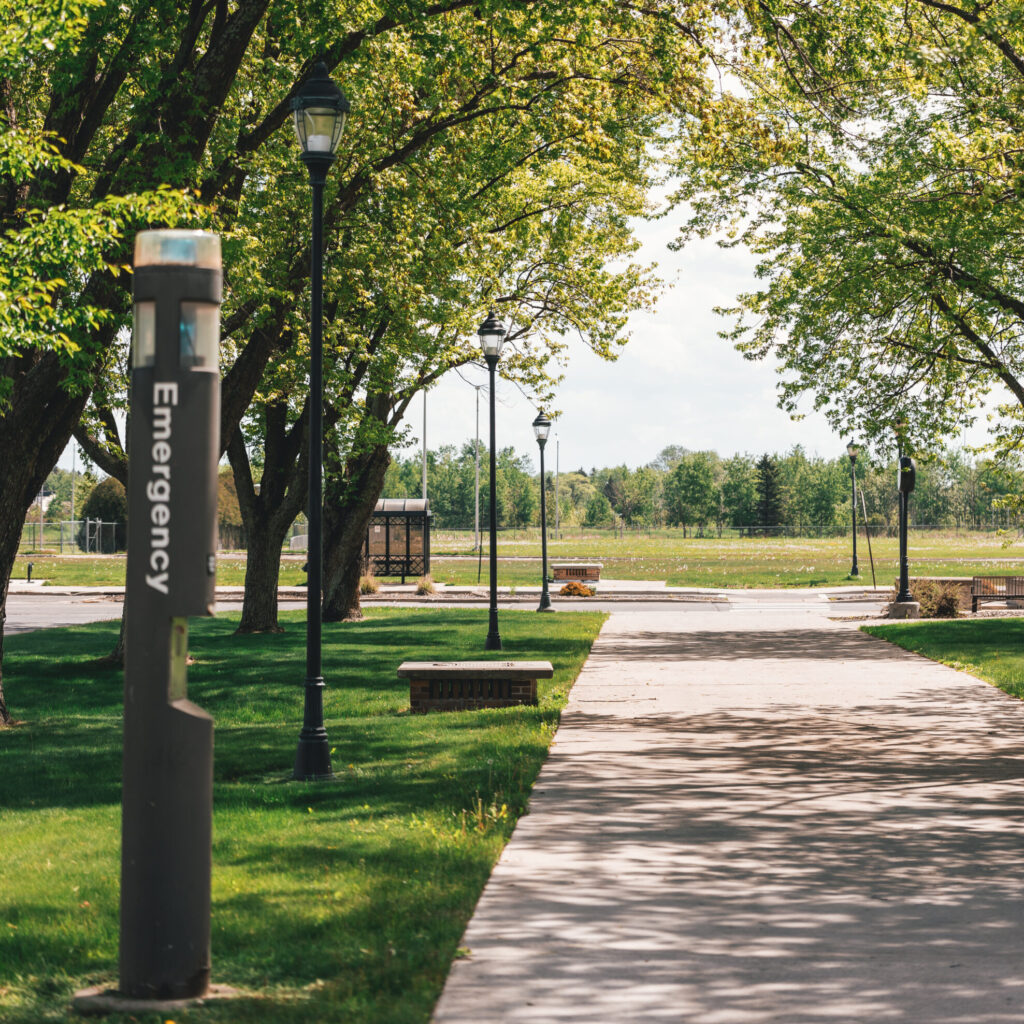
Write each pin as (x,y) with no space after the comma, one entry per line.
(689,562)
(991,649)
(109,570)
(746,562)
(339,901)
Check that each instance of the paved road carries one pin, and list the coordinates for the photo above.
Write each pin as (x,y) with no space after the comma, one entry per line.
(26,612)
(760,816)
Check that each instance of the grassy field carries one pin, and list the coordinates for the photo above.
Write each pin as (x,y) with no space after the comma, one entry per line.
(991,649)
(108,570)
(734,562)
(694,562)
(332,902)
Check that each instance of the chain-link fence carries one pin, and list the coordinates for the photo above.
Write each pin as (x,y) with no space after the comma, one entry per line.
(73,536)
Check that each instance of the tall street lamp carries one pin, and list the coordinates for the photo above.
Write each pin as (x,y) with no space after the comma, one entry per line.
(851,450)
(492,335)
(907,478)
(319,108)
(541,428)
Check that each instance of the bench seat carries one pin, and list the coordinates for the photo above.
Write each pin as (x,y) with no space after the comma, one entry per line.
(995,588)
(467,685)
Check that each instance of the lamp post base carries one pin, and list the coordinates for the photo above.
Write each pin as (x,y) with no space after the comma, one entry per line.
(905,610)
(98,1001)
(493,642)
(313,757)
(545,604)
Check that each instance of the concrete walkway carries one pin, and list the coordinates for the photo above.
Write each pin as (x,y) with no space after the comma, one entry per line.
(761,816)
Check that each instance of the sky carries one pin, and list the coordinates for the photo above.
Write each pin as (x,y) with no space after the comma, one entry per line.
(675,383)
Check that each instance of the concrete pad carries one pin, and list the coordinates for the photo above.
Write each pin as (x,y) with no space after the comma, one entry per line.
(760,817)
(905,610)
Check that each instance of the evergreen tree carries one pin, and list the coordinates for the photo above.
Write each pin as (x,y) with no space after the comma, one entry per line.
(769,492)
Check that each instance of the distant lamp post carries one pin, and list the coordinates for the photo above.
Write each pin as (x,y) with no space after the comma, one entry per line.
(851,450)
(319,108)
(541,429)
(492,336)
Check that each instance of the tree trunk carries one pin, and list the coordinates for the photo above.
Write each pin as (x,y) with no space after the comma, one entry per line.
(115,659)
(34,429)
(262,571)
(347,512)
(268,515)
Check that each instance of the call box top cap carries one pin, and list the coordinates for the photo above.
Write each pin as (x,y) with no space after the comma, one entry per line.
(176,247)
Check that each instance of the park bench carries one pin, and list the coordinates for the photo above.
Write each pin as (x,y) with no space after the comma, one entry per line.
(995,588)
(583,572)
(467,685)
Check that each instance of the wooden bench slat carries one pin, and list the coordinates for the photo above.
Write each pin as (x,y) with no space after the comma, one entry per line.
(475,670)
(984,588)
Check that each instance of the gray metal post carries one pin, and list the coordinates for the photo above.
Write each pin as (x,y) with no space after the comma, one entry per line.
(854,571)
(476,519)
(558,505)
(167,802)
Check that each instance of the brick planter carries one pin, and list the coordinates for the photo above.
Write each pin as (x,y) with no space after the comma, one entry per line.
(584,572)
(468,685)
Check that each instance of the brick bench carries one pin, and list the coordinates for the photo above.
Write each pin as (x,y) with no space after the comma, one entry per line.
(995,588)
(584,572)
(467,685)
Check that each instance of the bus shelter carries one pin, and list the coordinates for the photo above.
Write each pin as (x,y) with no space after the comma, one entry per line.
(398,538)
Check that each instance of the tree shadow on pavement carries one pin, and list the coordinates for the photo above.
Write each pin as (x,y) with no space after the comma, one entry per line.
(779,862)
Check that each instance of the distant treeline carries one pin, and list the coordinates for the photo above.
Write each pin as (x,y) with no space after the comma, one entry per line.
(704,493)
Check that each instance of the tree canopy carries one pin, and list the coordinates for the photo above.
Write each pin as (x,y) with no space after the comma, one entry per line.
(869,154)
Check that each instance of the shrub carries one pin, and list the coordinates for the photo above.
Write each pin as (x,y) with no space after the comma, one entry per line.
(425,585)
(107,502)
(938,600)
(368,584)
(576,589)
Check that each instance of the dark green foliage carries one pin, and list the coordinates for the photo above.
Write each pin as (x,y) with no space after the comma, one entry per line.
(599,512)
(107,503)
(769,493)
(938,600)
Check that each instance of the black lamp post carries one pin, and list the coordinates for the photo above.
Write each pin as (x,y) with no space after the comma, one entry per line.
(319,108)
(851,450)
(492,335)
(907,477)
(541,428)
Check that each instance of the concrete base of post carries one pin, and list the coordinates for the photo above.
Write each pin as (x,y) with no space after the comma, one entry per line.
(905,610)
(98,1001)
